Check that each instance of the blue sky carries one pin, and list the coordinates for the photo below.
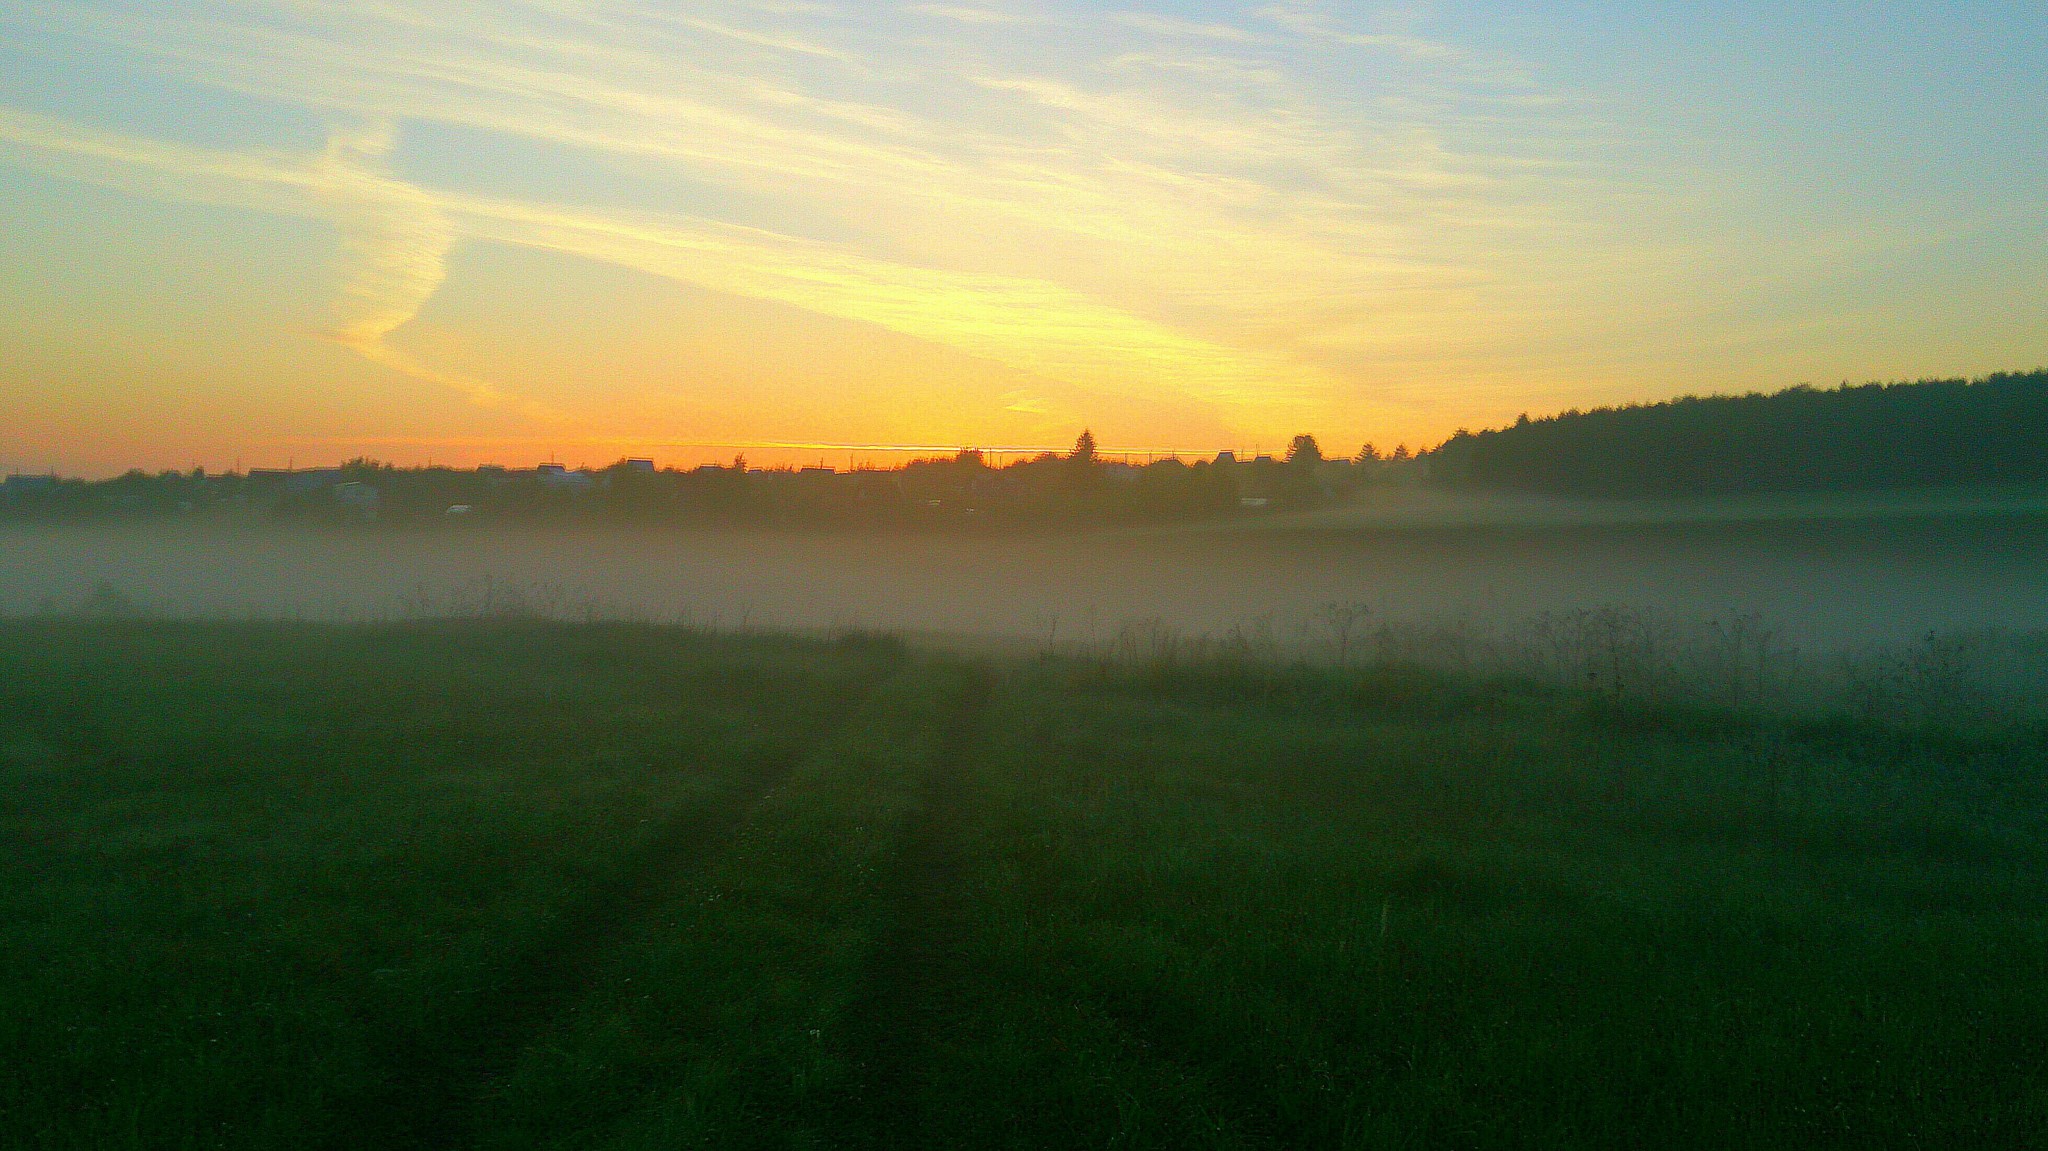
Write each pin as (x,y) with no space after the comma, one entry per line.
(463,231)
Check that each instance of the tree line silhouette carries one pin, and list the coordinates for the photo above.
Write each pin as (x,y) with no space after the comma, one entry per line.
(1934,432)
(1992,430)
(963,489)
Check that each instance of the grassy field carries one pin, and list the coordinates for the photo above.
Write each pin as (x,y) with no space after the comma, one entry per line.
(524,885)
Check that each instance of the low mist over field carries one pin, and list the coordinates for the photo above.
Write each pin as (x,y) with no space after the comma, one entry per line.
(1831,572)
(1838,517)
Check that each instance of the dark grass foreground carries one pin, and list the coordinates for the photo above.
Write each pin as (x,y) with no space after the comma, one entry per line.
(615,887)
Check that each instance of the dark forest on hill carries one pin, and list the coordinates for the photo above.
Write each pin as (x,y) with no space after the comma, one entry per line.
(1853,438)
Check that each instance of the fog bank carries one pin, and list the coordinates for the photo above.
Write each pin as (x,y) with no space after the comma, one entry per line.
(1826,581)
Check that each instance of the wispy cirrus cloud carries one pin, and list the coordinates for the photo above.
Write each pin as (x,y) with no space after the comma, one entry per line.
(1239,216)
(396,238)
(965,14)
(395,241)
(1308,20)
(1163,205)
(1170,26)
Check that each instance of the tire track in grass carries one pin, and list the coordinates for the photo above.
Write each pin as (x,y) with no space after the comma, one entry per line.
(432,1081)
(916,971)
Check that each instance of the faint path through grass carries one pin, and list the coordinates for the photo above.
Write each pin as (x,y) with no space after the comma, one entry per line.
(434,1072)
(916,962)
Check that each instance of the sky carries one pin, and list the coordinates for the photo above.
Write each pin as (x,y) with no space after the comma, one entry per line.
(267,232)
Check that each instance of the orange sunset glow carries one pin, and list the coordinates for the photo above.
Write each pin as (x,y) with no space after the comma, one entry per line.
(262,233)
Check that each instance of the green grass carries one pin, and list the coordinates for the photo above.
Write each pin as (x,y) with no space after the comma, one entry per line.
(506,886)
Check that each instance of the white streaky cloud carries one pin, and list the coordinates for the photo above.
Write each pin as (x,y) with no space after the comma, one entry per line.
(394,238)
(1061,173)
(1224,224)
(398,236)
(153,168)
(1168,26)
(1248,73)
(748,36)
(478,391)
(1249,208)
(962,14)
(1305,20)
(1032,325)
(395,241)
